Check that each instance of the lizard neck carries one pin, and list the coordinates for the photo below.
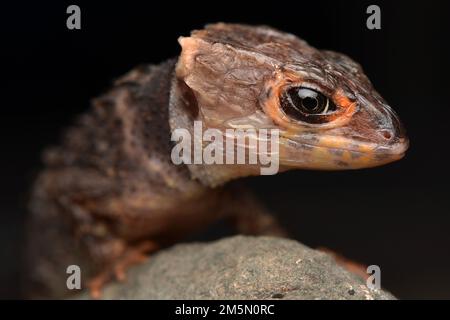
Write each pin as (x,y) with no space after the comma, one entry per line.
(182,113)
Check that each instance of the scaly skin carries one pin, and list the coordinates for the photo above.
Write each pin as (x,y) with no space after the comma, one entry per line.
(110,191)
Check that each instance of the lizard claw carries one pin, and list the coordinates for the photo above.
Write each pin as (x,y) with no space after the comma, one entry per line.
(134,255)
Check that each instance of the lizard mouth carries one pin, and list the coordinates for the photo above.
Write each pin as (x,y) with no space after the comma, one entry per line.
(394,147)
(339,153)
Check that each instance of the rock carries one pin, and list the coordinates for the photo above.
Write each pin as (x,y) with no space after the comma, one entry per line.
(241,267)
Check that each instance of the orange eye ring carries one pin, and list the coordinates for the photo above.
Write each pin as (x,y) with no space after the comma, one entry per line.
(282,81)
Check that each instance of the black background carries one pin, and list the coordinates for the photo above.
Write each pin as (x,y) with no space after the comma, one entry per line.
(394,216)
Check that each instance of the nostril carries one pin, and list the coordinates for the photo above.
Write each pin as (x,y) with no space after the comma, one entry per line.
(387,134)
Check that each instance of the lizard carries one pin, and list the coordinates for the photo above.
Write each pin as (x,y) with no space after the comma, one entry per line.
(109,194)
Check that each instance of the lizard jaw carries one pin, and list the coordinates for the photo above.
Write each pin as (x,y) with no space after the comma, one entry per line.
(338,153)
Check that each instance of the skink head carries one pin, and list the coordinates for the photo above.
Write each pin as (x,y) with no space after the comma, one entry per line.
(328,114)
(355,129)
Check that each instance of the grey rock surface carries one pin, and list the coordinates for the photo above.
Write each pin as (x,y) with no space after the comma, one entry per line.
(241,267)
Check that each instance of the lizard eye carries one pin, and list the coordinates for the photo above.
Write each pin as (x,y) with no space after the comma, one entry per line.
(306,104)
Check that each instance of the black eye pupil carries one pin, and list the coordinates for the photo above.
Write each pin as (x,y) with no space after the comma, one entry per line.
(310,103)
(306,104)
(308,100)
